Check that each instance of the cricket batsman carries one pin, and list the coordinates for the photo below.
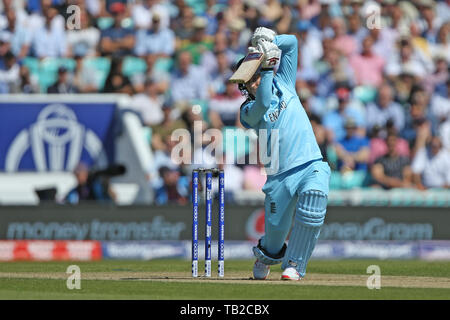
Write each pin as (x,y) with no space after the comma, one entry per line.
(296,190)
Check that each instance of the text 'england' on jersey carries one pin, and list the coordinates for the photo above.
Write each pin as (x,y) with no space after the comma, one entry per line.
(290,139)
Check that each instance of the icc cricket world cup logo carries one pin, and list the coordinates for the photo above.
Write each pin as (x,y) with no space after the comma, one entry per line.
(56,140)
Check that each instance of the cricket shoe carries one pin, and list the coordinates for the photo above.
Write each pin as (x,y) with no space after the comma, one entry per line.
(290,273)
(260,270)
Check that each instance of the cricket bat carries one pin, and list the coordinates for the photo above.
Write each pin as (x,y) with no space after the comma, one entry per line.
(248,67)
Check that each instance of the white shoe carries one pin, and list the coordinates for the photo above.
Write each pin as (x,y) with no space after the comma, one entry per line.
(290,273)
(260,270)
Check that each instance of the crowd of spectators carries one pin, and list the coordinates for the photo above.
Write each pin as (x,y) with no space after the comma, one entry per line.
(373,76)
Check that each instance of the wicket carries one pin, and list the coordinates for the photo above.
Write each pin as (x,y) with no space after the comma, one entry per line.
(209,174)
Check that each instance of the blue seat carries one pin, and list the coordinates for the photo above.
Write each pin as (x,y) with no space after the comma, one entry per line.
(101,66)
(204,107)
(164,64)
(335,180)
(46,78)
(68,63)
(32,64)
(98,63)
(348,180)
(48,70)
(365,94)
(105,22)
(198,6)
(133,65)
(52,64)
(237,142)
(49,65)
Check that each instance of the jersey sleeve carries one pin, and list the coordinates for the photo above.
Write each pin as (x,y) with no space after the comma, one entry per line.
(243,111)
(287,71)
(252,111)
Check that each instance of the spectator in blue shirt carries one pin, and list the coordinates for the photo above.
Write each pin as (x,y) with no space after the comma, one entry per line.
(117,40)
(334,121)
(352,151)
(155,40)
(385,108)
(419,115)
(173,188)
(333,68)
(64,83)
(189,82)
(36,5)
(211,11)
(90,187)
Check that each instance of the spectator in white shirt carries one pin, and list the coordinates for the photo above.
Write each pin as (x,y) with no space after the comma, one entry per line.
(19,37)
(442,44)
(49,41)
(444,132)
(94,7)
(85,79)
(84,41)
(429,21)
(10,75)
(142,14)
(440,107)
(37,19)
(431,163)
(310,45)
(443,10)
(407,58)
(384,42)
(17,6)
(385,108)
(149,104)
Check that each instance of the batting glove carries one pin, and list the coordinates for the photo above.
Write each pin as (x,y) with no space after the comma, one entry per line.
(272,54)
(252,50)
(264,34)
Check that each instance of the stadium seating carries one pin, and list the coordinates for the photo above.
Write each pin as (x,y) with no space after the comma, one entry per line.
(101,65)
(133,65)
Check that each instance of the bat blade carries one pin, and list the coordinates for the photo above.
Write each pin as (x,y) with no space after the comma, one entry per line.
(247,69)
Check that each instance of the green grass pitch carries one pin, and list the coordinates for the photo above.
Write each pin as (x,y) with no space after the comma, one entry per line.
(171,279)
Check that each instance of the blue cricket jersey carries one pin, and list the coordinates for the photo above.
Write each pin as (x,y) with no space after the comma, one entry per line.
(277,109)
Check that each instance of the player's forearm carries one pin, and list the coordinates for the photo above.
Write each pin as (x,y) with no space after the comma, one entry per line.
(264,92)
(287,70)
(253,112)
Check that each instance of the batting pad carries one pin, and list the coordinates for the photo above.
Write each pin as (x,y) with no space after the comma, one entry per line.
(309,217)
